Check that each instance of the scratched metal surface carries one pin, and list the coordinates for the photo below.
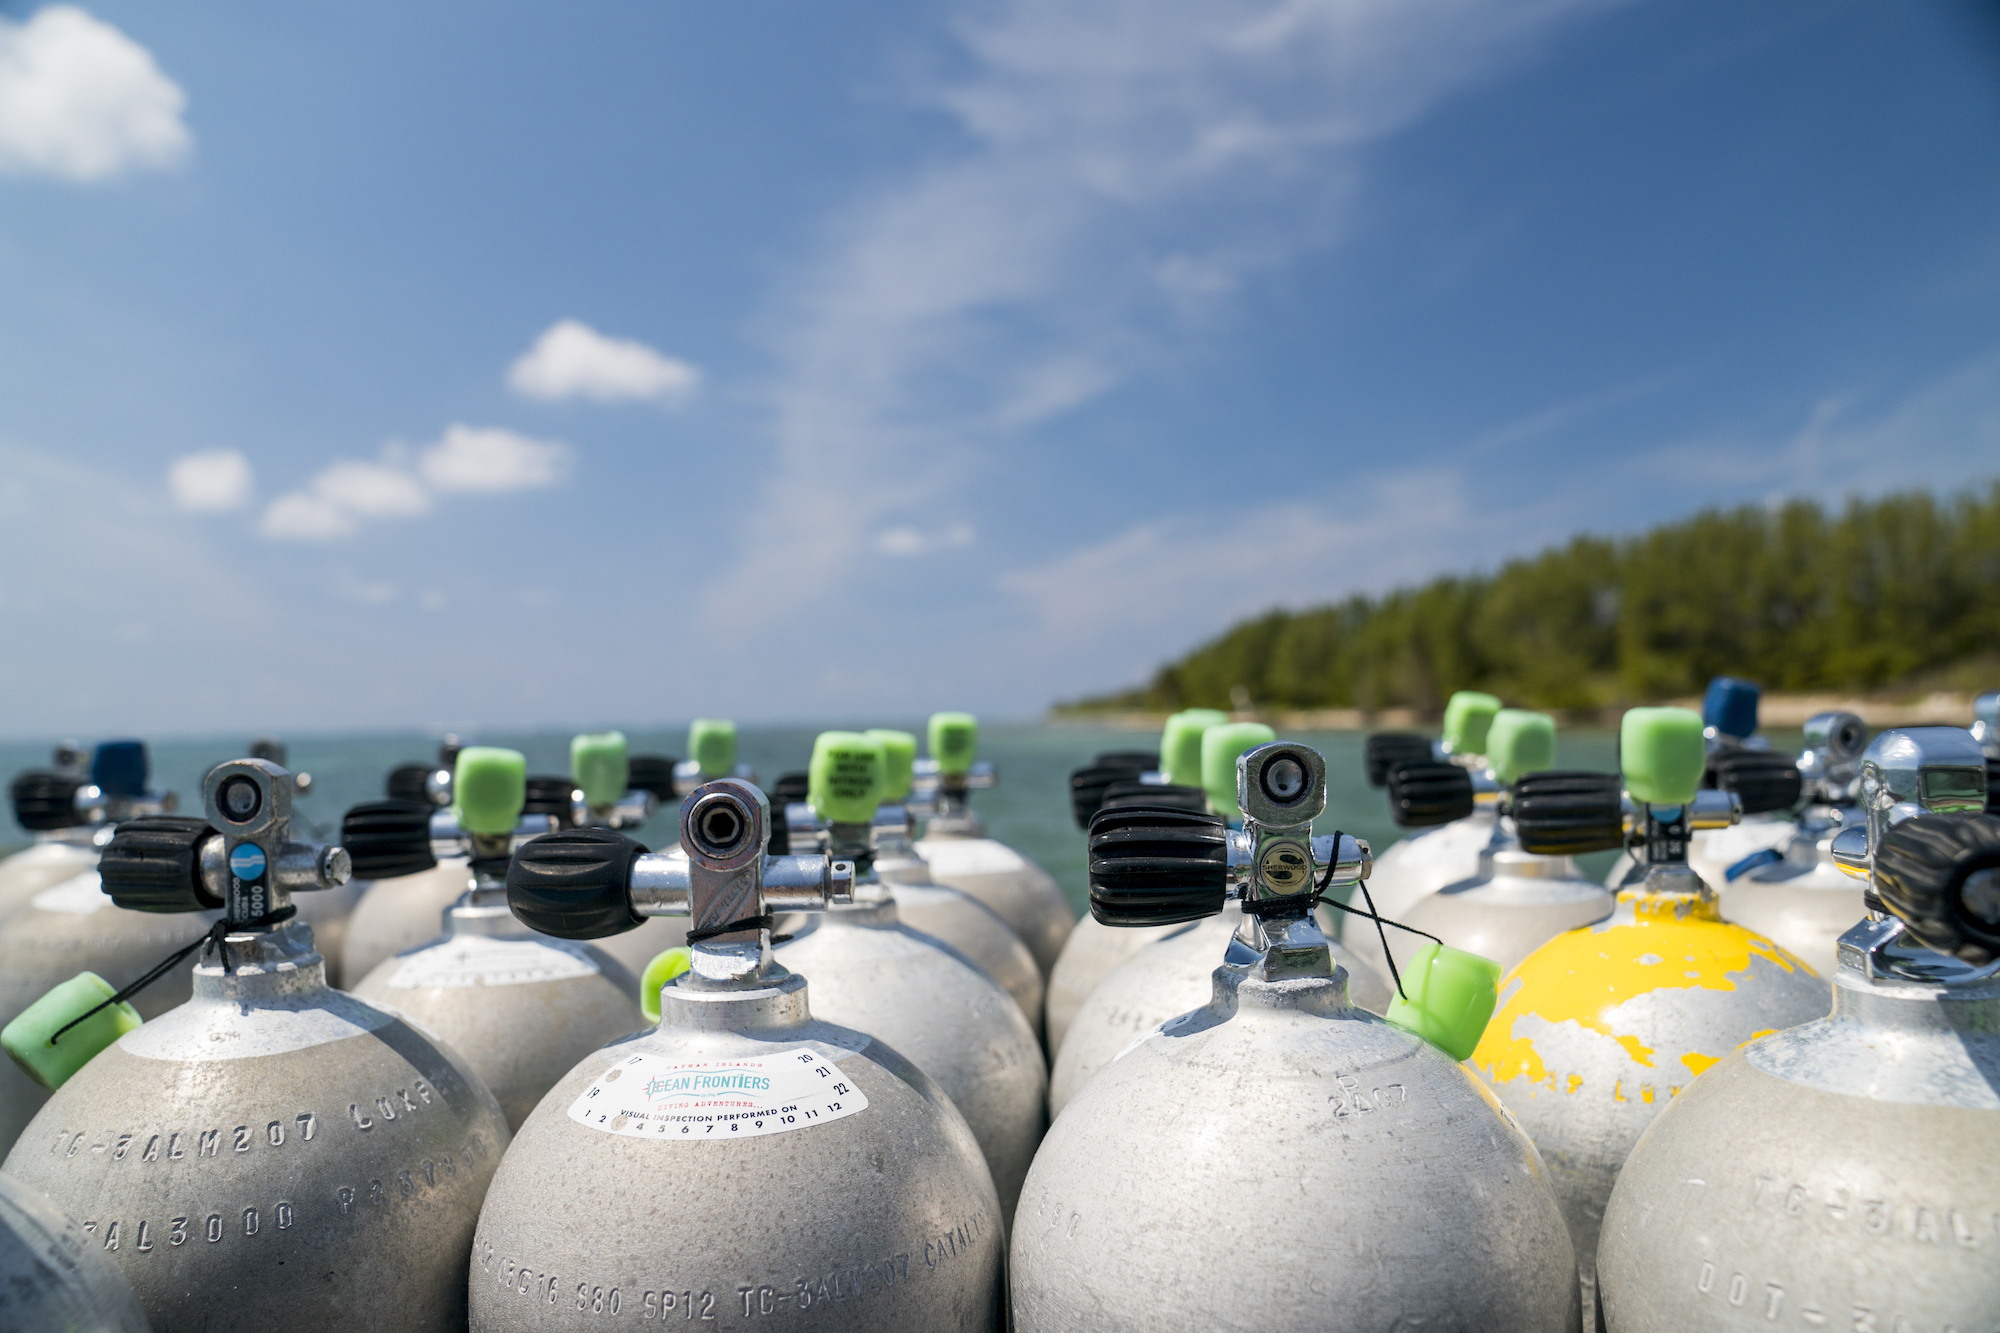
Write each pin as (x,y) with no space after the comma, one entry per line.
(1860,1187)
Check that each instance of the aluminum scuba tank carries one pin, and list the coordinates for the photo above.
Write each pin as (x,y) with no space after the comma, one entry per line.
(1173,975)
(520,1008)
(961,856)
(1093,951)
(1519,900)
(55,1278)
(1278,1090)
(404,903)
(1846,1173)
(273,1153)
(1447,850)
(956,917)
(69,926)
(1601,1026)
(708,1171)
(1793,893)
(872,972)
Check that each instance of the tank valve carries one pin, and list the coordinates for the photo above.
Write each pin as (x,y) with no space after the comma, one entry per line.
(588,883)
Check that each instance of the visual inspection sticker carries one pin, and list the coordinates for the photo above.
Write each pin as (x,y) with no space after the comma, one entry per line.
(476,960)
(657,1097)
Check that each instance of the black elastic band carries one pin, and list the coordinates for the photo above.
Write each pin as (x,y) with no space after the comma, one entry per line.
(747,923)
(214,935)
(1306,902)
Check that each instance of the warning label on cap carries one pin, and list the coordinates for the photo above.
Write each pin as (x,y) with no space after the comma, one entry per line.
(657,1097)
(478,960)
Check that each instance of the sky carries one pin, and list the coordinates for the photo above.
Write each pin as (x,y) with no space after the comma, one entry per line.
(387,366)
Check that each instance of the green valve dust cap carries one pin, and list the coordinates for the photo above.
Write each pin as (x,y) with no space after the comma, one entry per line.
(712,744)
(844,780)
(1663,754)
(1451,995)
(597,763)
(27,1037)
(954,739)
(1466,717)
(1220,747)
(899,752)
(1180,744)
(489,787)
(664,968)
(1520,742)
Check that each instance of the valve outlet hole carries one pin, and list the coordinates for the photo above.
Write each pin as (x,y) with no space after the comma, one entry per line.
(721,826)
(240,800)
(1285,779)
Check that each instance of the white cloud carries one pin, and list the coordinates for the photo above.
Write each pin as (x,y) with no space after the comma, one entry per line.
(211,481)
(1127,166)
(81,100)
(371,490)
(489,460)
(573,360)
(301,516)
(903,540)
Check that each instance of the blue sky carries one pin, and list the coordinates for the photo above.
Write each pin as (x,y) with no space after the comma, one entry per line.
(792,361)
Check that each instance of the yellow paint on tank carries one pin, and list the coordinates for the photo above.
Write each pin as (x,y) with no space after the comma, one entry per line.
(1584,975)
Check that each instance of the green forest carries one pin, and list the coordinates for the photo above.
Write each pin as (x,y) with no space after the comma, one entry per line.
(1896,593)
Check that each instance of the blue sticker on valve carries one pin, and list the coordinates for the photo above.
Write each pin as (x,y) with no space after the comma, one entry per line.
(247,861)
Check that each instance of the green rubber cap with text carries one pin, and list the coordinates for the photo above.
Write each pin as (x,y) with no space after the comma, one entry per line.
(1220,748)
(1662,753)
(488,788)
(844,779)
(954,739)
(26,1039)
(1450,996)
(899,753)
(597,764)
(1180,744)
(664,968)
(1467,716)
(1520,742)
(712,744)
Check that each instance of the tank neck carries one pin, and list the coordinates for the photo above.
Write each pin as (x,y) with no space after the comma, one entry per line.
(1669,893)
(1971,1008)
(476,914)
(1513,863)
(262,966)
(1243,990)
(778,1002)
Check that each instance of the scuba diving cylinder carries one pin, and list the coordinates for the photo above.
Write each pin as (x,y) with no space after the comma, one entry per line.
(952,915)
(1601,1026)
(1846,1173)
(1172,975)
(1447,850)
(68,926)
(71,815)
(520,1008)
(1519,900)
(1259,1107)
(56,1280)
(327,911)
(961,856)
(1093,951)
(1793,893)
(404,902)
(744,1159)
(872,972)
(273,1153)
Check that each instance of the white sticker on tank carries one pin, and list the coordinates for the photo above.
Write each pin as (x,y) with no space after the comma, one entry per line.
(475,960)
(658,1097)
(79,895)
(969,856)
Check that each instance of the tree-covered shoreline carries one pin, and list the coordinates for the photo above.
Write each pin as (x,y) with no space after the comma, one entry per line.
(1898,592)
